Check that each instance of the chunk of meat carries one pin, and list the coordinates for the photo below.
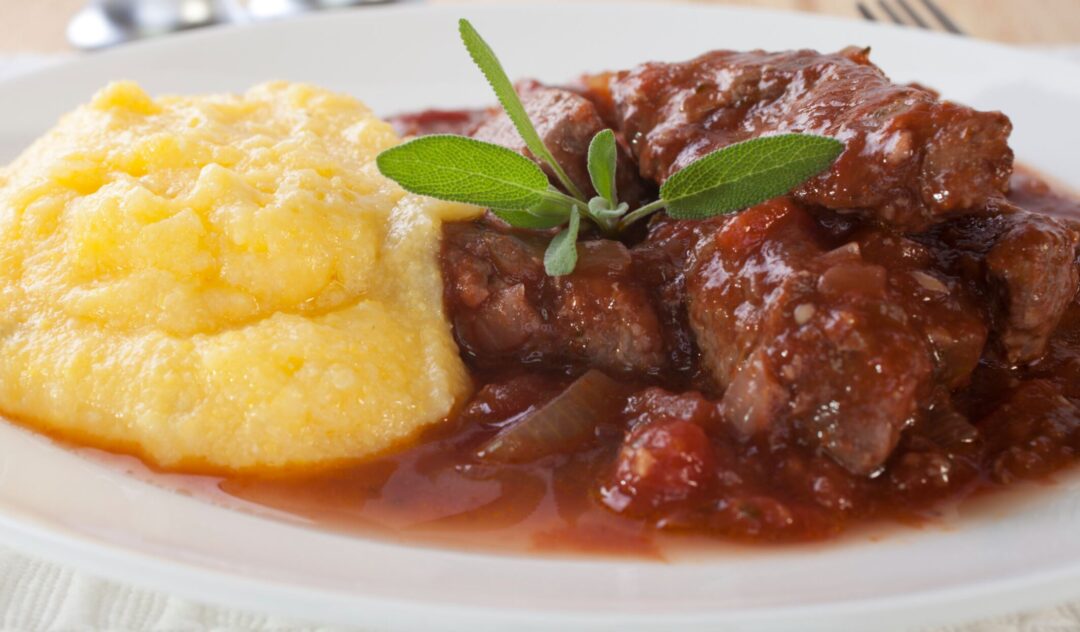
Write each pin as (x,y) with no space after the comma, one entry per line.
(813,336)
(1032,433)
(566,122)
(660,263)
(1024,265)
(910,158)
(935,303)
(504,307)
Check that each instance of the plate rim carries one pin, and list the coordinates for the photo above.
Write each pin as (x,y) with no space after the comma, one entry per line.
(94,556)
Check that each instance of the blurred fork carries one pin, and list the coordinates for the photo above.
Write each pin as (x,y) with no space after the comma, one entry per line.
(900,12)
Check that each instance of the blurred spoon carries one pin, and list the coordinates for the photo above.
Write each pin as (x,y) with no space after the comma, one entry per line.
(105,23)
(266,9)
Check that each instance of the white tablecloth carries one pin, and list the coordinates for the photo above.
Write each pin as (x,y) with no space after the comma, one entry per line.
(36,595)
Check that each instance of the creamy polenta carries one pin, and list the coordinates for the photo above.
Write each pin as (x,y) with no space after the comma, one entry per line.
(222,281)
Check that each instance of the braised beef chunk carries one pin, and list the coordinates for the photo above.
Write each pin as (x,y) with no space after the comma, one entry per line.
(842,341)
(660,263)
(1024,265)
(504,307)
(1032,432)
(566,122)
(910,158)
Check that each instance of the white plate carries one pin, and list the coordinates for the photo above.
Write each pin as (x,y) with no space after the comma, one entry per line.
(58,504)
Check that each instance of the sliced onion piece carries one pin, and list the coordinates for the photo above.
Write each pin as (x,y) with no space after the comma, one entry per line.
(561,425)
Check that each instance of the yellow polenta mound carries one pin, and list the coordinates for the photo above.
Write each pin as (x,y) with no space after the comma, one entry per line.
(222,281)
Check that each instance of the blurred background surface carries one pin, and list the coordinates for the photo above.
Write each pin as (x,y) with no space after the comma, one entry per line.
(40,26)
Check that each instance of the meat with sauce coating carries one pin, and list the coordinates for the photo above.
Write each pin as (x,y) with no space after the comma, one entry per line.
(910,157)
(839,341)
(1022,263)
(504,306)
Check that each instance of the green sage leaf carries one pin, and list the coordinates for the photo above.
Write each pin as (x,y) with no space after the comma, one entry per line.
(601,162)
(747,173)
(561,256)
(461,169)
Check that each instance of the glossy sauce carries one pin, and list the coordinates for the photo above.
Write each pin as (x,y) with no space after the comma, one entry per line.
(439,491)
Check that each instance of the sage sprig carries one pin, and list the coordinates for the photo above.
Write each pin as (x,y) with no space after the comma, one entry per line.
(489,64)
(516,190)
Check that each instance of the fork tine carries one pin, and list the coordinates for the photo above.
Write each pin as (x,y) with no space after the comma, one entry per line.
(865,11)
(915,17)
(893,15)
(940,15)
